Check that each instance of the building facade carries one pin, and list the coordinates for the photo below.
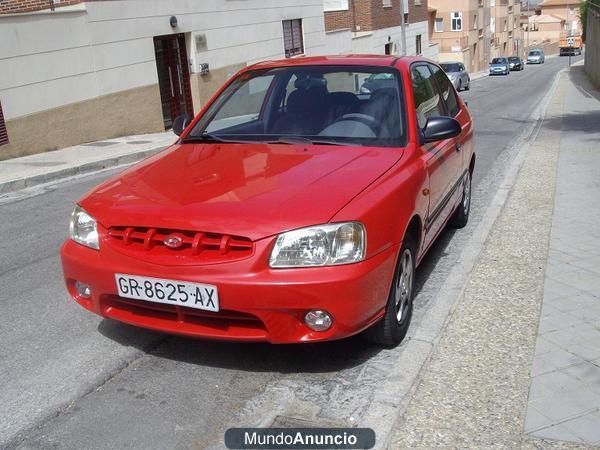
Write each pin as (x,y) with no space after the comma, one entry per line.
(79,71)
(475,31)
(506,39)
(375,26)
(75,71)
(462,29)
(566,11)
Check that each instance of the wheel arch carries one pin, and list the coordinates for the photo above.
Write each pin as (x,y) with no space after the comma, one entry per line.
(414,229)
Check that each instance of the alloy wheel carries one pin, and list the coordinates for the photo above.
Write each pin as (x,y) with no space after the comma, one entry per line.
(467,193)
(404,285)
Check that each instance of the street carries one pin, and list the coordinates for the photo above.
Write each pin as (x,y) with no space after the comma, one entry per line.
(74,379)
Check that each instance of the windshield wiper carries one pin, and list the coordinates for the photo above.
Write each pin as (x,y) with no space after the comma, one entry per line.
(206,137)
(308,141)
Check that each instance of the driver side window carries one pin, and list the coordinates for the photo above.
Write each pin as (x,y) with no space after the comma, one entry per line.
(427,98)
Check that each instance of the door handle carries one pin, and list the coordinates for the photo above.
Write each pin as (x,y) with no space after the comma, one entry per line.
(458,146)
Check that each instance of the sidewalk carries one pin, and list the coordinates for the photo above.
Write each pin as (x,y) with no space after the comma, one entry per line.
(518,364)
(19,173)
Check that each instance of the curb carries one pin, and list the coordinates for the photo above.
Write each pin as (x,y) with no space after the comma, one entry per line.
(27,182)
(395,393)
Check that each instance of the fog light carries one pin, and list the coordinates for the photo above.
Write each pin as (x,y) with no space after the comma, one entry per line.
(82,289)
(318,320)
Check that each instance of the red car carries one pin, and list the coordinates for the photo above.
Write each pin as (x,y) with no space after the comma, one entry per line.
(294,208)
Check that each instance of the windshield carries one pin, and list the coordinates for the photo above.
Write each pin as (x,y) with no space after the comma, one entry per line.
(450,67)
(499,61)
(513,58)
(534,53)
(337,105)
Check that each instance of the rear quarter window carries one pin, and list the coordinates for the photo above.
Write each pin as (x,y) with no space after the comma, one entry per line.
(428,101)
(448,93)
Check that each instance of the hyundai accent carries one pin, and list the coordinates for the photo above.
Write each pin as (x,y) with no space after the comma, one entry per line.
(295,207)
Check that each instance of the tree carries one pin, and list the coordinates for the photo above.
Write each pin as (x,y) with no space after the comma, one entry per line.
(583,13)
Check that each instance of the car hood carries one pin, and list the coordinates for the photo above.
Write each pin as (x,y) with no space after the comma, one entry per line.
(250,190)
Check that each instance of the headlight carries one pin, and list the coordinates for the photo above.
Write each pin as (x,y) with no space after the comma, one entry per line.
(83,228)
(320,245)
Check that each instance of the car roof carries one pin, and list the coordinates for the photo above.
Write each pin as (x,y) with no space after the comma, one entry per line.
(342,60)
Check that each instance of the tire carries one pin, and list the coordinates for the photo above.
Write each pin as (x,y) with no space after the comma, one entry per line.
(391,330)
(459,86)
(468,86)
(461,215)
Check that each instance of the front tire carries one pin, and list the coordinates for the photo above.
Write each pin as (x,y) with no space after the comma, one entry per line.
(393,326)
(459,86)
(461,215)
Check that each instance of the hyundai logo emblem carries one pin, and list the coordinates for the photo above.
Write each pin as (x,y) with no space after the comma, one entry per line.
(173,241)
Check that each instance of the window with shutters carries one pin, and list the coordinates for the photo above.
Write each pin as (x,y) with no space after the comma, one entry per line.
(292,37)
(3,133)
(456,21)
(439,25)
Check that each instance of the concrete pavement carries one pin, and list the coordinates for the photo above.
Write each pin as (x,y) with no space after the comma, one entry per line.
(27,171)
(496,377)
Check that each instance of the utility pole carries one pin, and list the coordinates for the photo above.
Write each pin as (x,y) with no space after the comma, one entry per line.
(403,27)
(528,25)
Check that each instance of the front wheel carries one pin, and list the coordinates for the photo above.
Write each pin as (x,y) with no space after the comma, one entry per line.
(461,215)
(468,86)
(393,326)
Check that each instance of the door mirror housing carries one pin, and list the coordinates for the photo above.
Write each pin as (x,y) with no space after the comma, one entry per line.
(440,128)
(180,123)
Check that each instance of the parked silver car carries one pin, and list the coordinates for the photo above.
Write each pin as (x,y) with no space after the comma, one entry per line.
(536,57)
(458,75)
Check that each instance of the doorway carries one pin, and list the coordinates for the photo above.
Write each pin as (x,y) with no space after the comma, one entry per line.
(173,77)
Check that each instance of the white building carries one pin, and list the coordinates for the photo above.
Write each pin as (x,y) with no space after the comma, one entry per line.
(75,71)
(95,70)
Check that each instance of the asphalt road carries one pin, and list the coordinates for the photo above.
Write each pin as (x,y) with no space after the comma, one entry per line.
(73,380)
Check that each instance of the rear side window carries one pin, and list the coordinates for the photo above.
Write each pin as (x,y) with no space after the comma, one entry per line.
(428,102)
(446,89)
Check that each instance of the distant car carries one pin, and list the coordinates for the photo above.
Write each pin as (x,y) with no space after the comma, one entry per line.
(515,63)
(458,75)
(536,57)
(292,209)
(377,81)
(499,66)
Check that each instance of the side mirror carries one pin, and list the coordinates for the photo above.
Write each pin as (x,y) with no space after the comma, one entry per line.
(180,123)
(440,128)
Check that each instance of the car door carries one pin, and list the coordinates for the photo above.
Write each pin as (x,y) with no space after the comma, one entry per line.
(441,158)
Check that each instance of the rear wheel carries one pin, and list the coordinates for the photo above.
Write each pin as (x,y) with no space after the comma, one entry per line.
(392,327)
(461,215)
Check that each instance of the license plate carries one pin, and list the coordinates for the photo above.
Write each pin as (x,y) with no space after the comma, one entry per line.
(169,292)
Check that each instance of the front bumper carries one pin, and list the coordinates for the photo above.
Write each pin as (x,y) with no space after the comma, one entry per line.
(257,303)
